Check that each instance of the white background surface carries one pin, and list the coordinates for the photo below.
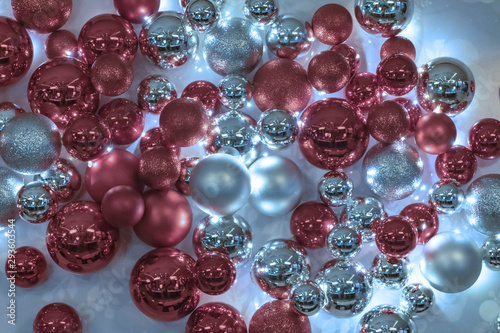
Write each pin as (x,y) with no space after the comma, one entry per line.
(466,29)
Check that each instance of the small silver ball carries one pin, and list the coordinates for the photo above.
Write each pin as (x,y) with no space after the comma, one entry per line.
(307,298)
(37,202)
(385,319)
(390,275)
(154,92)
(261,12)
(278,129)
(491,253)
(10,184)
(289,37)
(362,211)
(335,188)
(417,298)
(202,14)
(482,205)
(344,241)
(235,91)
(447,197)
(497,324)
(384,17)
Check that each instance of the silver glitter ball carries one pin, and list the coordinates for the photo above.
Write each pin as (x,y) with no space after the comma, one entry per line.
(37,202)
(261,12)
(202,14)
(30,143)
(447,197)
(155,92)
(347,286)
(235,91)
(417,298)
(384,17)
(167,41)
(390,275)
(491,253)
(307,298)
(344,241)
(289,37)
(335,188)
(237,131)
(10,184)
(227,234)
(278,129)
(445,85)
(482,204)
(362,211)
(393,172)
(386,319)
(278,266)
(233,46)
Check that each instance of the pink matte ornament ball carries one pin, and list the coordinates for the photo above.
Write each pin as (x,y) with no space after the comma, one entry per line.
(57,317)
(397,75)
(425,218)
(159,168)
(395,236)
(61,43)
(111,74)
(435,133)
(122,206)
(350,54)
(124,119)
(458,163)
(397,44)
(329,71)
(215,273)
(484,138)
(363,91)
(388,122)
(43,16)
(87,138)
(27,267)
(137,11)
(332,24)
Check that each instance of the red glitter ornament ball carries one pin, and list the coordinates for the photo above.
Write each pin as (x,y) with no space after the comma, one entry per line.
(154,138)
(61,43)
(363,91)
(435,133)
(205,92)
(79,240)
(122,206)
(182,184)
(311,224)
(484,138)
(111,74)
(425,218)
(413,109)
(278,78)
(107,33)
(395,236)
(26,267)
(332,24)
(57,317)
(159,168)
(350,54)
(124,119)
(397,75)
(395,45)
(333,135)
(184,122)
(215,273)
(278,317)
(328,71)
(216,317)
(118,167)
(43,16)
(388,122)
(458,163)
(17,51)
(86,138)
(136,11)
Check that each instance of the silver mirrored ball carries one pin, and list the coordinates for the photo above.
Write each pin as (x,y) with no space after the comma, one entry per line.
(447,197)
(235,91)
(344,241)
(155,91)
(202,14)
(491,253)
(362,211)
(37,202)
(261,12)
(278,128)
(386,319)
(417,298)
(289,37)
(384,17)
(307,298)
(391,275)
(335,188)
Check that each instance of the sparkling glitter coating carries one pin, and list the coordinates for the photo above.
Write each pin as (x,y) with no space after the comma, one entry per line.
(395,45)
(332,24)
(111,74)
(278,317)
(61,43)
(159,168)
(482,204)
(8,111)
(413,109)
(388,122)
(10,184)
(205,92)
(329,71)
(350,54)
(43,16)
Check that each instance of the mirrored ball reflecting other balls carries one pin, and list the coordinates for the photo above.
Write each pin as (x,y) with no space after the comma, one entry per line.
(235,91)
(447,197)
(386,318)
(37,202)
(491,253)
(289,38)
(417,298)
(363,211)
(391,275)
(202,14)
(278,129)
(344,241)
(384,17)
(307,298)
(261,12)
(335,188)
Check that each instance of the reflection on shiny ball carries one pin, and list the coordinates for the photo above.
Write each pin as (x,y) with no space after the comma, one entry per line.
(154,93)
(289,38)
(278,128)
(417,298)
(384,17)
(491,253)
(447,197)
(202,14)
(307,298)
(391,275)
(10,184)
(335,188)
(345,241)
(363,211)
(386,318)
(235,91)
(37,202)
(261,12)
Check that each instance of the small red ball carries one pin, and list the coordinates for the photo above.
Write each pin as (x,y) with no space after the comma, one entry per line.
(363,91)
(397,75)
(328,71)
(122,206)
(435,133)
(216,317)
(111,74)
(395,236)
(43,16)
(413,109)
(27,267)
(425,218)
(136,11)
(215,273)
(86,138)
(124,119)
(278,317)
(388,122)
(159,168)
(484,138)
(350,54)
(205,92)
(395,45)
(61,43)
(57,317)
(167,219)
(311,224)
(458,163)
(332,24)
(182,184)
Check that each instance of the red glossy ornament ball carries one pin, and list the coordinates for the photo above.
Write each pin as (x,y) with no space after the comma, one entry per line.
(215,273)
(205,92)
(484,138)
(397,75)
(311,224)
(111,74)
(167,218)
(395,45)
(328,71)
(395,236)
(278,317)
(172,271)
(187,165)
(184,122)
(61,89)
(216,317)
(17,51)
(278,78)
(458,163)
(43,16)
(388,122)
(26,267)
(363,91)
(350,54)
(79,240)
(137,11)
(332,24)
(86,138)
(332,136)
(118,167)
(107,33)
(159,168)
(122,206)
(57,317)
(435,133)
(61,43)
(124,119)
(425,218)
(413,109)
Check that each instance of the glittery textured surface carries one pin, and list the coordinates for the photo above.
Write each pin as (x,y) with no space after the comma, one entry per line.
(30,143)
(278,317)
(329,71)
(435,133)
(363,91)
(111,74)
(388,122)
(484,138)
(159,168)
(482,204)
(396,45)
(458,163)
(216,317)
(30,267)
(182,183)
(58,317)
(234,46)
(61,43)
(87,138)
(393,172)
(332,24)
(124,119)
(311,223)
(154,93)
(413,109)
(215,273)
(350,54)
(10,184)
(205,92)
(43,16)
(397,74)
(136,11)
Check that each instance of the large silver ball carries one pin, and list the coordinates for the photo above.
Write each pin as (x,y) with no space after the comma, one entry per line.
(491,253)
(445,85)
(362,211)
(390,275)
(384,17)
(335,188)
(417,298)
(482,204)
(447,197)
(233,46)
(277,185)
(278,128)
(227,234)
(30,143)
(37,202)
(289,37)
(261,12)
(347,286)
(451,262)
(307,298)
(278,265)
(235,91)
(202,14)
(10,184)
(393,172)
(386,319)
(220,184)
(344,241)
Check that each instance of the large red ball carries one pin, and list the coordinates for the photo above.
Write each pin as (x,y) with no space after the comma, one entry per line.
(363,91)
(458,163)
(159,168)
(125,120)
(137,11)
(279,317)
(435,133)
(86,138)
(484,138)
(27,267)
(425,218)
(17,51)
(388,122)
(215,273)
(122,206)
(205,92)
(216,317)
(112,74)
(395,236)
(57,317)
(332,24)
(43,16)
(397,74)
(329,71)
